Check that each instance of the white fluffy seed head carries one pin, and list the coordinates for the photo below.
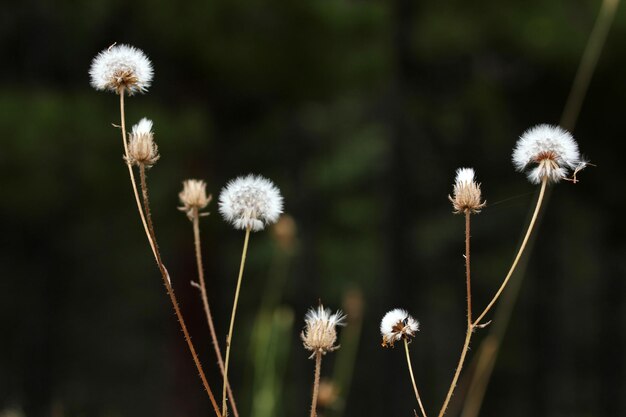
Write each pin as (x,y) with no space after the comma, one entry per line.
(121,68)
(320,330)
(250,202)
(466,194)
(546,151)
(396,325)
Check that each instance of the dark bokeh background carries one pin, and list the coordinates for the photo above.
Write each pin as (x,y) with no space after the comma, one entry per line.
(360,111)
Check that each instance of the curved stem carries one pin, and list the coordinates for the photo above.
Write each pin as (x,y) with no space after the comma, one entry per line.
(408,362)
(519,252)
(316,383)
(205,303)
(132,176)
(232,319)
(170,290)
(468,337)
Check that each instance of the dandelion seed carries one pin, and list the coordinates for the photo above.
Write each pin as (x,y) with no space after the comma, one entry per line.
(396,325)
(141,146)
(250,202)
(466,193)
(551,152)
(193,197)
(121,68)
(320,333)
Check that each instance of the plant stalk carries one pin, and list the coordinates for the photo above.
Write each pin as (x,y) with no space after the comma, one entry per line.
(408,362)
(205,304)
(232,319)
(316,383)
(170,289)
(542,192)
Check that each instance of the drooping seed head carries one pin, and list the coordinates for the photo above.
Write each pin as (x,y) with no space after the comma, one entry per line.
(320,330)
(121,68)
(194,198)
(396,325)
(250,202)
(547,152)
(466,194)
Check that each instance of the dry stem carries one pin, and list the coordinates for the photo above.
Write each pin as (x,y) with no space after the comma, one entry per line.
(170,290)
(205,303)
(232,319)
(408,362)
(316,383)
(470,326)
(132,176)
(519,252)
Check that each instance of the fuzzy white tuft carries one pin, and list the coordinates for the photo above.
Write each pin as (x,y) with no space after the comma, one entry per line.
(320,333)
(464,176)
(550,150)
(396,325)
(143,127)
(250,202)
(121,68)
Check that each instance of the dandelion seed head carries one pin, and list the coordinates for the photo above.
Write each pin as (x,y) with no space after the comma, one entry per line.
(193,198)
(396,325)
(320,330)
(546,151)
(466,194)
(250,202)
(121,68)
(142,150)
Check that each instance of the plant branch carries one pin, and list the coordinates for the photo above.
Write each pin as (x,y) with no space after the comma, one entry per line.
(232,319)
(132,175)
(316,383)
(408,362)
(205,303)
(470,326)
(170,290)
(544,183)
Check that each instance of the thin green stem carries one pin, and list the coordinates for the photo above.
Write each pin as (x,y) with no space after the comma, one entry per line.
(316,383)
(232,320)
(205,303)
(408,362)
(170,290)
(519,252)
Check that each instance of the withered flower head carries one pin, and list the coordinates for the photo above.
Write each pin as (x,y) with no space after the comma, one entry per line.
(142,150)
(466,194)
(320,333)
(194,198)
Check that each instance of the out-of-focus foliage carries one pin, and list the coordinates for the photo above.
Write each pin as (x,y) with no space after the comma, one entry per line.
(360,111)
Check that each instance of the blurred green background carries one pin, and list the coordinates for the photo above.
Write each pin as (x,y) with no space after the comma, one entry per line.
(360,111)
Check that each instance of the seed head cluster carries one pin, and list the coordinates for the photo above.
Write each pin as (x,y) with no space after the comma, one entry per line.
(547,151)
(466,194)
(121,69)
(396,325)
(194,198)
(250,202)
(142,150)
(320,333)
